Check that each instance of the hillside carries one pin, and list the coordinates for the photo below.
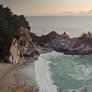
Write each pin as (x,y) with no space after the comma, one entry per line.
(11,26)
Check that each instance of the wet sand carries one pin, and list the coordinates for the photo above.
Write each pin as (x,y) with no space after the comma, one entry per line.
(16,75)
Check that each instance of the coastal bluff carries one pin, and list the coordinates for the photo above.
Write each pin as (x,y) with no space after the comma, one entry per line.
(15,36)
(52,41)
(64,43)
(20,46)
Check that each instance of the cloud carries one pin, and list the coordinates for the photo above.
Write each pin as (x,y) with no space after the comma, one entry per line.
(68,13)
(89,12)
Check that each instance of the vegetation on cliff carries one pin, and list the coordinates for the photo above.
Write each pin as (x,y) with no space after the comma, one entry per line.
(9,28)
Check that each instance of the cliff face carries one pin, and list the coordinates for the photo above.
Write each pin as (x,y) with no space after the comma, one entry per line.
(19,46)
(45,40)
(16,51)
(63,43)
(48,40)
(73,46)
(58,42)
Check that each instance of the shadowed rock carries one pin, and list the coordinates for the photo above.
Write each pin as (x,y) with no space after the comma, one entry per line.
(63,43)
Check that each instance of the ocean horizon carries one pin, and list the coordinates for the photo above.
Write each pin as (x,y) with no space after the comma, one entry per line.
(69,73)
(72,25)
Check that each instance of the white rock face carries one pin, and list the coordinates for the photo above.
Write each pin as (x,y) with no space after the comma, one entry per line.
(19,47)
(16,52)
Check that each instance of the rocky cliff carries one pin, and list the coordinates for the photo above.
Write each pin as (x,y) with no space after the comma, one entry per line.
(63,43)
(14,35)
(74,46)
(45,40)
(19,46)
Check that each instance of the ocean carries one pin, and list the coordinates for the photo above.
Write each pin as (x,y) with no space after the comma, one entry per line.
(58,71)
(73,25)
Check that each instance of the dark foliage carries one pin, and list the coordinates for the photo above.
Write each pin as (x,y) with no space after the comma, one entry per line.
(9,24)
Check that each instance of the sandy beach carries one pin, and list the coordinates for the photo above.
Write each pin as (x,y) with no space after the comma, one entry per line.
(17,75)
(20,75)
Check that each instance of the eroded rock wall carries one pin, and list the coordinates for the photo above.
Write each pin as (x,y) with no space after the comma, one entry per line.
(19,46)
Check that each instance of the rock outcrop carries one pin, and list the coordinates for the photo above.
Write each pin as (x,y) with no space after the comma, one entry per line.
(19,46)
(59,42)
(63,43)
(73,46)
(16,52)
(45,40)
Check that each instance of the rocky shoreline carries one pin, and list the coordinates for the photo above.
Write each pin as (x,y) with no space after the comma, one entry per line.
(63,43)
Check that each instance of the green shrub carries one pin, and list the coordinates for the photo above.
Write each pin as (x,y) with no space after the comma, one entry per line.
(9,28)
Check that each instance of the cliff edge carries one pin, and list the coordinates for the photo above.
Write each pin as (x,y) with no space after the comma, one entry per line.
(15,36)
(63,43)
(20,46)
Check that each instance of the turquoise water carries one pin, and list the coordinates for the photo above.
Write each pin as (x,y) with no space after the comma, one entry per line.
(70,72)
(67,72)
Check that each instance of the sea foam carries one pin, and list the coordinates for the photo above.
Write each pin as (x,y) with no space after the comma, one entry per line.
(43,75)
(70,73)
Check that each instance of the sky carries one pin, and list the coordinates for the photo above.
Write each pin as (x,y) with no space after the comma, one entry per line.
(49,7)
